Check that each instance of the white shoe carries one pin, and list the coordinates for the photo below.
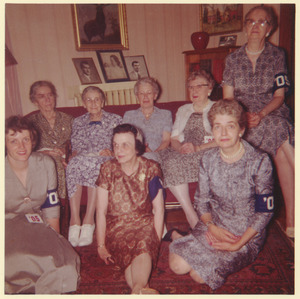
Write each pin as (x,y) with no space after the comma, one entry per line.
(86,235)
(73,236)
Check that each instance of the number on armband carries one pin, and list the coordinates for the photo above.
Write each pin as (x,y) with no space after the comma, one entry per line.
(264,203)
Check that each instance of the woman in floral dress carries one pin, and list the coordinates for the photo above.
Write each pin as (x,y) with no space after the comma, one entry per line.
(130,209)
(256,75)
(91,146)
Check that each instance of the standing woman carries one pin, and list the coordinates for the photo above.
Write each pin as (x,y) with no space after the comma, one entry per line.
(91,146)
(256,75)
(37,258)
(130,209)
(155,123)
(54,128)
(234,201)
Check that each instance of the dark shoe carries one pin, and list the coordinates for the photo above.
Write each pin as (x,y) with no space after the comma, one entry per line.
(168,235)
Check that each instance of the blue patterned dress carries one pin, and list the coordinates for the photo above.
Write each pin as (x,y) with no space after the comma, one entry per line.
(229,192)
(88,139)
(255,91)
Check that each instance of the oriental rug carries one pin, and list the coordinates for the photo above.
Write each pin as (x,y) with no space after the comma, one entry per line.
(271,273)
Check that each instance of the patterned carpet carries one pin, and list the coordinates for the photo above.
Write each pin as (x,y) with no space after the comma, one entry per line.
(271,273)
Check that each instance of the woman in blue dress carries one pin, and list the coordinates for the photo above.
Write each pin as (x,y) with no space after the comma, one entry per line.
(256,75)
(234,202)
(91,146)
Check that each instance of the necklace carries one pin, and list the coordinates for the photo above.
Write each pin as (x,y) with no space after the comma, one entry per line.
(229,157)
(254,53)
(147,115)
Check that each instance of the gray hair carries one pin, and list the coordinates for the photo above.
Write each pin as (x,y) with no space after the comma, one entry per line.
(149,80)
(38,84)
(202,74)
(93,88)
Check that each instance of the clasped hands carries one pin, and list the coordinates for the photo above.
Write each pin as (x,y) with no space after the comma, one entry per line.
(221,239)
(253,119)
(187,148)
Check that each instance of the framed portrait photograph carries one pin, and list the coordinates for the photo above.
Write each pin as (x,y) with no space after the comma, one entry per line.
(227,40)
(113,65)
(100,26)
(136,67)
(221,18)
(86,70)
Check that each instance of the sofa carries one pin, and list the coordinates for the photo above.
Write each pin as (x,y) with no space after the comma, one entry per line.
(171,201)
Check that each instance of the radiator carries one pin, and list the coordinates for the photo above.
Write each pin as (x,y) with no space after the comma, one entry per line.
(120,93)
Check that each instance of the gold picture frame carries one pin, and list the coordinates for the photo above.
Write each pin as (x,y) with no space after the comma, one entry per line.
(221,18)
(100,26)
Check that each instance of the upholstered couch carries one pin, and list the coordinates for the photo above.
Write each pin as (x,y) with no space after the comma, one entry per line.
(171,201)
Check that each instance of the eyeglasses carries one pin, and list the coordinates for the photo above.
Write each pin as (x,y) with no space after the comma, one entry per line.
(196,87)
(146,94)
(251,23)
(95,100)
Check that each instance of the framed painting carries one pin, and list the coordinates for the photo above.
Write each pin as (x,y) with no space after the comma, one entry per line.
(100,26)
(86,70)
(136,67)
(113,65)
(227,41)
(221,18)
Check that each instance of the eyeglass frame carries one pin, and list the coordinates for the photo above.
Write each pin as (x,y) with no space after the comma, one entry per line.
(197,87)
(262,23)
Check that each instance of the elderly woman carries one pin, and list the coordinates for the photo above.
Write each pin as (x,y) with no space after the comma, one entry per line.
(54,128)
(256,75)
(130,209)
(37,258)
(155,123)
(234,201)
(191,136)
(91,146)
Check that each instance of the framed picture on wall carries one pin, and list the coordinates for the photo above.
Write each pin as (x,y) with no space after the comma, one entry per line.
(86,70)
(221,18)
(136,67)
(113,65)
(100,26)
(227,40)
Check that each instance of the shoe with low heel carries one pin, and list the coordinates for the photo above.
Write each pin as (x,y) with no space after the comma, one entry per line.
(73,236)
(86,235)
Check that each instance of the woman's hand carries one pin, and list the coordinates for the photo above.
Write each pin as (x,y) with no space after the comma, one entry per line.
(253,119)
(187,148)
(222,235)
(147,150)
(106,152)
(226,246)
(105,255)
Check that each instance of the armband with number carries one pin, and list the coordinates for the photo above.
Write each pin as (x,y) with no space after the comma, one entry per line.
(264,203)
(281,80)
(52,199)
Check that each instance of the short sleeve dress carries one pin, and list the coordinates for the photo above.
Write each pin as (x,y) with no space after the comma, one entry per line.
(255,91)
(233,194)
(88,139)
(57,137)
(160,121)
(130,227)
(37,258)
(184,168)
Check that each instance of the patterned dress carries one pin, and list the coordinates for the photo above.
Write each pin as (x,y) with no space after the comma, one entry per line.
(37,258)
(129,221)
(255,91)
(184,168)
(88,139)
(233,194)
(56,137)
(160,121)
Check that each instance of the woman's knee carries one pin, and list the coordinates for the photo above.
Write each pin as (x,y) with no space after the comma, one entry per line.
(178,265)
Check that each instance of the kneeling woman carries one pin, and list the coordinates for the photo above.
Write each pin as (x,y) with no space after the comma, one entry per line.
(37,258)
(128,232)
(234,202)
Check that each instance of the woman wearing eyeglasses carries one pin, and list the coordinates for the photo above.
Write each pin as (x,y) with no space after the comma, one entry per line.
(256,75)
(91,146)
(191,135)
